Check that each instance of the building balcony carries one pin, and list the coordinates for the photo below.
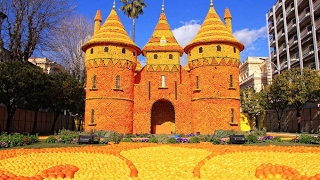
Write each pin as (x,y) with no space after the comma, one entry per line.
(300,2)
(273,55)
(289,10)
(271,28)
(316,5)
(270,14)
(304,16)
(306,33)
(272,41)
(278,5)
(307,52)
(318,45)
(292,25)
(317,23)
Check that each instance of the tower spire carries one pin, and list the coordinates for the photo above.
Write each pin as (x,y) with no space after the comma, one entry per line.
(114,4)
(162,6)
(211,3)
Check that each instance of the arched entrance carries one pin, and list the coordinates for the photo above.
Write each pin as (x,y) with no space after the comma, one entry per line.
(163,117)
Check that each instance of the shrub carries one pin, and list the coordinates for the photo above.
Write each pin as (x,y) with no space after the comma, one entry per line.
(251,139)
(33,138)
(215,140)
(129,136)
(153,140)
(205,138)
(276,139)
(126,140)
(113,136)
(306,139)
(51,139)
(194,139)
(172,140)
(223,133)
(162,138)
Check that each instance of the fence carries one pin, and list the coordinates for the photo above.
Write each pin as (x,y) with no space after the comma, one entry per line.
(310,120)
(23,121)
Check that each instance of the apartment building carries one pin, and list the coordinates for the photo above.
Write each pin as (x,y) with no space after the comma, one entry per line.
(294,34)
(47,65)
(255,73)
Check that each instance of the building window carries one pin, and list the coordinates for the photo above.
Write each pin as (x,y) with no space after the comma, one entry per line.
(234,49)
(106,49)
(197,82)
(231,80)
(218,48)
(200,50)
(92,116)
(163,81)
(117,82)
(232,115)
(94,82)
(170,56)
(91,51)
(155,56)
(123,50)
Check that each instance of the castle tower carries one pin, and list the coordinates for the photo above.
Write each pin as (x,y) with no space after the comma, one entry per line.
(228,20)
(213,59)
(111,60)
(161,96)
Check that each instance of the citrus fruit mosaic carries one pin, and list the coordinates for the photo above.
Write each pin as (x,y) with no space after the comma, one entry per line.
(142,161)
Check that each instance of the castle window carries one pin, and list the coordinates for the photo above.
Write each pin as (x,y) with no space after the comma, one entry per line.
(92,116)
(134,54)
(94,82)
(231,80)
(117,82)
(163,81)
(200,50)
(190,53)
(91,51)
(232,115)
(170,56)
(106,49)
(123,50)
(234,50)
(155,56)
(197,82)
(218,48)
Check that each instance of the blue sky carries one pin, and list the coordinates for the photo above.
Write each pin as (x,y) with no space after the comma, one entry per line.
(186,16)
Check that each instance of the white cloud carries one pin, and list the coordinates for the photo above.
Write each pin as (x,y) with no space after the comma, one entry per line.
(251,39)
(185,34)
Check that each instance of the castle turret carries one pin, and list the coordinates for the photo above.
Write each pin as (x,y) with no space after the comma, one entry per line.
(228,20)
(162,50)
(111,60)
(213,59)
(97,22)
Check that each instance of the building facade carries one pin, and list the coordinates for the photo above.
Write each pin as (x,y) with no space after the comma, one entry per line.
(47,65)
(255,73)
(123,96)
(294,38)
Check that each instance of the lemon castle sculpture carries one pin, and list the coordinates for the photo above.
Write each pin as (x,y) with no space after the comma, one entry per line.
(124,96)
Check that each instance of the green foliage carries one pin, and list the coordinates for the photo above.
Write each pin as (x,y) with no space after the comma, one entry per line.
(33,138)
(172,140)
(126,140)
(259,133)
(51,139)
(306,139)
(215,140)
(112,136)
(16,139)
(194,139)
(276,139)
(153,140)
(205,138)
(223,133)
(162,138)
(250,103)
(251,139)
(129,136)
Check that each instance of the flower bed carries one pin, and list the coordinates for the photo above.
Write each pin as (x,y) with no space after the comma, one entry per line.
(158,161)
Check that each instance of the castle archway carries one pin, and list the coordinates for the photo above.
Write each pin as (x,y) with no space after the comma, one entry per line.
(163,117)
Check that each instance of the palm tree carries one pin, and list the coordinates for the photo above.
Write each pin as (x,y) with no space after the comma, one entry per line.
(132,9)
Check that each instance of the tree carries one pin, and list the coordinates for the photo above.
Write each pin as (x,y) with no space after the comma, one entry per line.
(66,42)
(274,96)
(66,93)
(29,25)
(250,104)
(37,98)
(16,82)
(303,88)
(132,9)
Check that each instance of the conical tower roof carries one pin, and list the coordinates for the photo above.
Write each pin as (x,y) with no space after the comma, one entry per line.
(112,32)
(213,30)
(162,38)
